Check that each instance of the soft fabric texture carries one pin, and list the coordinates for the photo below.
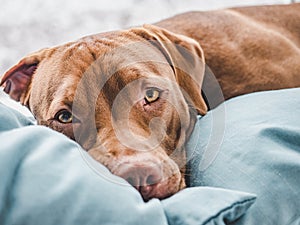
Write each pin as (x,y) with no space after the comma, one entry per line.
(252,144)
(211,211)
(48,179)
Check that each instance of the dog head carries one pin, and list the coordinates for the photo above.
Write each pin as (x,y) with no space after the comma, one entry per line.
(130,98)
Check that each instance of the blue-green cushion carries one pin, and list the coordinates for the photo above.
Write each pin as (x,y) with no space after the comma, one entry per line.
(252,144)
(48,179)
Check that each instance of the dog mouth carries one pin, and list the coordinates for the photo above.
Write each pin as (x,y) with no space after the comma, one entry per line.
(152,180)
(160,190)
(152,177)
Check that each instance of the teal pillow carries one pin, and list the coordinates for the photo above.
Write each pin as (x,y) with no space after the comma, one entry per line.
(48,179)
(215,206)
(252,144)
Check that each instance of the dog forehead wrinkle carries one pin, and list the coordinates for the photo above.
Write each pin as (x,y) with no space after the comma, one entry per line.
(66,90)
(124,84)
(75,59)
(125,47)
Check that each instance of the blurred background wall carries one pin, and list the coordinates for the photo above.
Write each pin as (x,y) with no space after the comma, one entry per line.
(28,25)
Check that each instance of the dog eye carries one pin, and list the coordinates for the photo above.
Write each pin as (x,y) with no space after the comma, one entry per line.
(152,95)
(64,116)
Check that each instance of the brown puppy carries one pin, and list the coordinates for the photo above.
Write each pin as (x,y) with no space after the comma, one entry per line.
(130,97)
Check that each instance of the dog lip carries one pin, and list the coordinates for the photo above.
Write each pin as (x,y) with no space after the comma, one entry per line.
(160,190)
(150,191)
(149,178)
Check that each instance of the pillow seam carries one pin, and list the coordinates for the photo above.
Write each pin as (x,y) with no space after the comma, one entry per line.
(229,207)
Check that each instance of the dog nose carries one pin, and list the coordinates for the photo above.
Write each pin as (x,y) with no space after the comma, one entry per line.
(143,177)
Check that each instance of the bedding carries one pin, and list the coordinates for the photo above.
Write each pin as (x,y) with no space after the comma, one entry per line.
(252,144)
(247,147)
(48,179)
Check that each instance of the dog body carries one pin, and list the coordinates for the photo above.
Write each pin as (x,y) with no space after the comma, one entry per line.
(131,97)
(248,49)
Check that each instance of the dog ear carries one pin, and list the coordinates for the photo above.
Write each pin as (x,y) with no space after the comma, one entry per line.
(16,81)
(186,57)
